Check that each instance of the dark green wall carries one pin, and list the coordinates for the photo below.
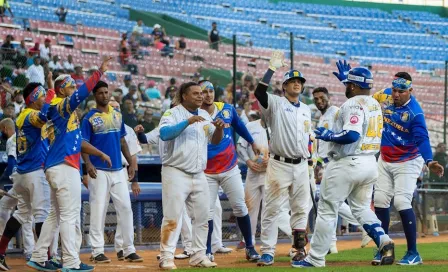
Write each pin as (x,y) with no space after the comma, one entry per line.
(386,7)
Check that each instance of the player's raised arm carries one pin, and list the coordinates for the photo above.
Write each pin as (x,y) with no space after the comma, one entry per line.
(34,92)
(343,68)
(277,61)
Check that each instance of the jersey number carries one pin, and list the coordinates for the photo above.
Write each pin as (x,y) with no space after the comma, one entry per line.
(375,127)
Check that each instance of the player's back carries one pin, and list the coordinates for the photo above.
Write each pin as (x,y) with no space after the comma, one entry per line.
(31,152)
(362,114)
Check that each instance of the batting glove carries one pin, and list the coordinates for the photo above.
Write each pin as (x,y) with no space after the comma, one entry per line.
(277,60)
(324,134)
(343,68)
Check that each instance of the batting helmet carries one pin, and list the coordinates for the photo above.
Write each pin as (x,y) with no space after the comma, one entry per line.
(360,76)
(293,74)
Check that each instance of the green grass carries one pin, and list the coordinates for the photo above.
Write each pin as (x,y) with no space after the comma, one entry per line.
(429,252)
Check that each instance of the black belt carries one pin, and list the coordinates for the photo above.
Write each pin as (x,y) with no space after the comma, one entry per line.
(325,160)
(288,160)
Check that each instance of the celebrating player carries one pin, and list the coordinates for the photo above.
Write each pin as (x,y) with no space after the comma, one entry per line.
(30,183)
(405,147)
(222,169)
(287,172)
(103,127)
(185,132)
(62,171)
(351,171)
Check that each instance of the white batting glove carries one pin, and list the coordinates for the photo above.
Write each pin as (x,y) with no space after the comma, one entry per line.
(277,60)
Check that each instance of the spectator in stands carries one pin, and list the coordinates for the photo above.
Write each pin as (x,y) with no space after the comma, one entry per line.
(213,37)
(8,51)
(171,92)
(147,121)
(61,12)
(277,88)
(22,55)
(245,112)
(127,82)
(441,157)
(128,113)
(45,50)
(55,64)
(6,92)
(18,102)
(196,77)
(4,5)
(135,47)
(117,94)
(78,76)
(132,94)
(9,111)
(181,44)
(124,57)
(35,50)
(69,67)
(35,72)
(141,93)
(159,34)
(172,84)
(152,92)
(123,42)
(138,28)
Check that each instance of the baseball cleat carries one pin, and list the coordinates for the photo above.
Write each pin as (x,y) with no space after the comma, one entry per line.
(120,255)
(3,265)
(82,268)
(133,258)
(45,266)
(223,250)
(302,263)
(101,258)
(300,255)
(241,245)
(55,262)
(167,265)
(265,260)
(205,263)
(252,254)
(411,258)
(210,257)
(376,258)
(387,251)
(365,239)
(292,252)
(182,256)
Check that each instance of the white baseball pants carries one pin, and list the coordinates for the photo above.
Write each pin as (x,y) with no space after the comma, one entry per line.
(398,181)
(184,229)
(284,182)
(180,189)
(65,183)
(350,178)
(107,185)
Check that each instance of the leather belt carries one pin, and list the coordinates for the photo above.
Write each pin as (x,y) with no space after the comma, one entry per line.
(288,160)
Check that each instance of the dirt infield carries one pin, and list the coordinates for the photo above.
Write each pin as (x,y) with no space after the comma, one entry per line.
(234,259)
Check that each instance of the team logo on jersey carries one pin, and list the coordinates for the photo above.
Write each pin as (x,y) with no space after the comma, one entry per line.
(206,130)
(167,113)
(226,114)
(405,116)
(354,119)
(306,124)
(326,125)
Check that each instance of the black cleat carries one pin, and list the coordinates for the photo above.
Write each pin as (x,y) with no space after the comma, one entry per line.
(134,258)
(3,265)
(100,259)
(120,255)
(387,253)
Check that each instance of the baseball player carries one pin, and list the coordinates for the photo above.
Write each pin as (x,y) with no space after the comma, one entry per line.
(287,171)
(328,117)
(103,127)
(134,149)
(405,147)
(29,181)
(351,171)
(185,131)
(222,169)
(62,169)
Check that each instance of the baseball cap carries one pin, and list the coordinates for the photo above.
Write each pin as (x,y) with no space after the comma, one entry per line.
(293,74)
(156,26)
(79,65)
(47,40)
(128,77)
(151,83)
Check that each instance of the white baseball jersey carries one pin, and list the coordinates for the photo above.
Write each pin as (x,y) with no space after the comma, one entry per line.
(133,144)
(327,121)
(290,127)
(362,114)
(153,136)
(11,146)
(259,134)
(188,151)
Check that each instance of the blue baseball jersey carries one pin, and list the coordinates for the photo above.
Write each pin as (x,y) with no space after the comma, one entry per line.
(104,130)
(404,134)
(222,157)
(31,150)
(63,130)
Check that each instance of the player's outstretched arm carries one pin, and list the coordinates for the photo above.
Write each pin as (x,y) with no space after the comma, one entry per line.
(219,131)
(91,150)
(343,137)
(343,68)
(240,127)
(170,132)
(276,61)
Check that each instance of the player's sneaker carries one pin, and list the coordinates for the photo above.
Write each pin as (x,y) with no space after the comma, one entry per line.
(55,262)
(205,263)
(292,252)
(120,255)
(3,265)
(387,251)
(223,250)
(265,260)
(167,265)
(101,258)
(376,258)
(133,258)
(411,258)
(241,245)
(82,268)
(252,254)
(182,256)
(365,239)
(302,264)
(300,255)
(45,266)
(210,256)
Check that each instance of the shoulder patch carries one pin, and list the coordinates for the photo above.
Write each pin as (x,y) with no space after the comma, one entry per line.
(167,113)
